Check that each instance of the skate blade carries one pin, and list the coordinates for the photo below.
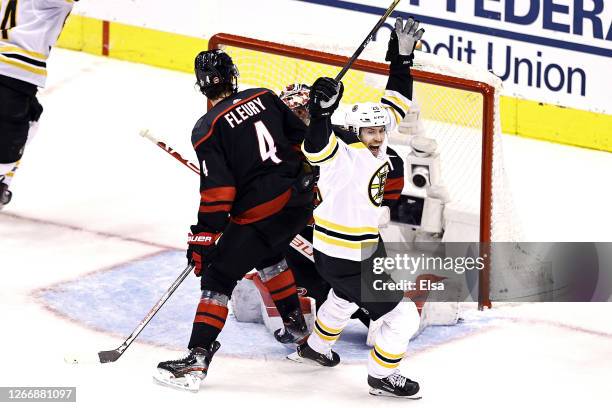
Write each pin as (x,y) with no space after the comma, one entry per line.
(186,383)
(298,359)
(381,393)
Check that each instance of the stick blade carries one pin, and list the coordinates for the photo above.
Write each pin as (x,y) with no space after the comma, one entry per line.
(102,357)
(109,356)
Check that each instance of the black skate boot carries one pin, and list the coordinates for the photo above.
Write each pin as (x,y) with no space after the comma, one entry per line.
(188,372)
(306,354)
(395,385)
(5,194)
(295,330)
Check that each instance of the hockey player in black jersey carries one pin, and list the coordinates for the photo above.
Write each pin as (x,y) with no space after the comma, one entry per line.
(256,195)
(346,233)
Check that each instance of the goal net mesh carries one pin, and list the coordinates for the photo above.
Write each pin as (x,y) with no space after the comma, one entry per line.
(453,116)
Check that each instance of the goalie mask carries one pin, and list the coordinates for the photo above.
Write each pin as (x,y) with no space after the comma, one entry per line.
(216,73)
(295,96)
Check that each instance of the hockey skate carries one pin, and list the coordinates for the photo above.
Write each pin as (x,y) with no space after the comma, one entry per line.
(294,331)
(305,354)
(188,372)
(395,385)
(5,194)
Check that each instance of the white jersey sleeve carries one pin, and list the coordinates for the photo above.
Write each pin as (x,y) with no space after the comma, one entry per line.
(28,31)
(397,98)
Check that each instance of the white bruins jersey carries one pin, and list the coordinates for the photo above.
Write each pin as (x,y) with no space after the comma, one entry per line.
(28,30)
(351,184)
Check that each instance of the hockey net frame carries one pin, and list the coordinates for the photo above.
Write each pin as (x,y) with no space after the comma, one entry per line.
(486,90)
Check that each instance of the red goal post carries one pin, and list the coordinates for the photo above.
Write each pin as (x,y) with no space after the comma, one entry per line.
(488,125)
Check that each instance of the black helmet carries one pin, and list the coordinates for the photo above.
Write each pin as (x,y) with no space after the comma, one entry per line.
(216,73)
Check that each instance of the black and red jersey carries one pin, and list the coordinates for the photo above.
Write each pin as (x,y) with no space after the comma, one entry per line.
(247,146)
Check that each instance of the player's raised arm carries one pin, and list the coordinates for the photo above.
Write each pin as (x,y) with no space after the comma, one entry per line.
(400,53)
(321,145)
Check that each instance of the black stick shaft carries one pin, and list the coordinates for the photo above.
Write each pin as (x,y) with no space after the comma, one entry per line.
(367,40)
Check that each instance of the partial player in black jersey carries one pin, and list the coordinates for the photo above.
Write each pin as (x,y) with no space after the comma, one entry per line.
(256,195)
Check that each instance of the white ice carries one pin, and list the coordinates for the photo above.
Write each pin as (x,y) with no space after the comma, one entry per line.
(91,194)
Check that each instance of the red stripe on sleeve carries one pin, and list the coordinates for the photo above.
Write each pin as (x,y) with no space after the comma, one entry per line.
(395,184)
(215,208)
(218,194)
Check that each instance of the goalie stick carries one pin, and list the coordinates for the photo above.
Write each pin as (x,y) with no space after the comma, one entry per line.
(111,356)
(367,40)
(299,243)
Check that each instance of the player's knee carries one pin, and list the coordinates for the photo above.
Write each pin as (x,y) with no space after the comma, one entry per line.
(404,319)
(217,283)
(268,273)
(13,137)
(340,304)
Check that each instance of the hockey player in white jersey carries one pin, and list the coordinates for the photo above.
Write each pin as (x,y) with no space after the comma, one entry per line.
(346,232)
(28,30)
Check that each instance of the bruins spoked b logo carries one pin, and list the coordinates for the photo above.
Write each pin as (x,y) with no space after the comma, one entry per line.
(377,184)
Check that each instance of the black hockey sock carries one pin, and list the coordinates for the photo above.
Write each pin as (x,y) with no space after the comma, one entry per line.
(284,293)
(207,324)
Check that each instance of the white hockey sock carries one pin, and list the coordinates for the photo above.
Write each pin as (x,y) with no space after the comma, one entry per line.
(391,342)
(332,317)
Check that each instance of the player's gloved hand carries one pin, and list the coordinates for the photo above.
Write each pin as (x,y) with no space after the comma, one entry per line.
(325,95)
(403,41)
(201,247)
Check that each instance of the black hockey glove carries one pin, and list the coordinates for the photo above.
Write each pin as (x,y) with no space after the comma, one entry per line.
(200,251)
(403,40)
(325,95)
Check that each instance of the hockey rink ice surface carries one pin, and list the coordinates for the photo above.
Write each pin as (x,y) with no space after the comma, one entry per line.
(96,233)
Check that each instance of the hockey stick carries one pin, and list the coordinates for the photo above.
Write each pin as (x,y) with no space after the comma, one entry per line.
(367,40)
(147,135)
(110,356)
(299,243)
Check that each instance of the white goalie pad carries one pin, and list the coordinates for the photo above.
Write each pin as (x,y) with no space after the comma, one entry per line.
(246,302)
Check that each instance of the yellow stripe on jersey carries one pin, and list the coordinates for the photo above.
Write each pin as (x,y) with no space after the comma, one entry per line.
(24,66)
(397,116)
(344,228)
(380,362)
(343,243)
(388,355)
(324,154)
(399,102)
(18,50)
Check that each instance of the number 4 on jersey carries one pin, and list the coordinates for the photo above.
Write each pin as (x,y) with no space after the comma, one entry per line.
(267,149)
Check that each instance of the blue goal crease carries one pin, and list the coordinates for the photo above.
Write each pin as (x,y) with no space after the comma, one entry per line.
(115,301)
